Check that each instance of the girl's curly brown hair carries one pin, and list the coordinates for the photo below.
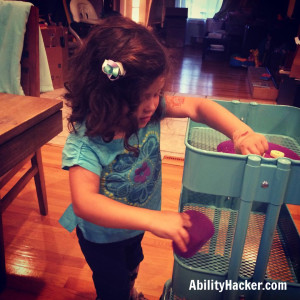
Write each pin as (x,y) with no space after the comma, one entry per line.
(101,103)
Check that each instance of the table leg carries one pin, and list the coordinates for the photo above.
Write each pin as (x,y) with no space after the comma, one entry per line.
(40,182)
(204,48)
(2,258)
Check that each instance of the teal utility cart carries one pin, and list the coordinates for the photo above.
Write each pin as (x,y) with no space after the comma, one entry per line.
(255,251)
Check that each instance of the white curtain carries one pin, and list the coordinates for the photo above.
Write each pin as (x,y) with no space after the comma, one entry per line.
(200,9)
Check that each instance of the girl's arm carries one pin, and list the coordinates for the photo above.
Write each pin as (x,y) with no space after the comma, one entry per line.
(89,205)
(206,111)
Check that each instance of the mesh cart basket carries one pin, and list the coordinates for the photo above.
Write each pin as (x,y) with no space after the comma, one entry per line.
(255,251)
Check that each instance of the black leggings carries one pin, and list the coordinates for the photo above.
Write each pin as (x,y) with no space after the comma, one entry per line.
(112,265)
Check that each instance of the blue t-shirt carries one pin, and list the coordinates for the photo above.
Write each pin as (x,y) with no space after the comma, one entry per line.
(125,178)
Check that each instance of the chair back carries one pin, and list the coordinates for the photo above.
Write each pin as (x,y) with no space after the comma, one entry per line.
(82,15)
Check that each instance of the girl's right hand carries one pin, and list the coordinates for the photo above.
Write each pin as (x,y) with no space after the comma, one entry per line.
(249,142)
(172,225)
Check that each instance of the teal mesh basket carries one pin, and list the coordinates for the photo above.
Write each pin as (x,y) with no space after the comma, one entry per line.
(245,196)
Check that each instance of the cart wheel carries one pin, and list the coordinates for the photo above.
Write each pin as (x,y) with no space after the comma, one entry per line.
(167,291)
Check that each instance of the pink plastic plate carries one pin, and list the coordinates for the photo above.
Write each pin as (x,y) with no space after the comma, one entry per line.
(200,232)
(227,147)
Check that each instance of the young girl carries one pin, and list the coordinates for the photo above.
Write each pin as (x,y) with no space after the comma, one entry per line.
(113,151)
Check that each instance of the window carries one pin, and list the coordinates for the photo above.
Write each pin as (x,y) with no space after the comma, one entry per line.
(200,9)
(136,10)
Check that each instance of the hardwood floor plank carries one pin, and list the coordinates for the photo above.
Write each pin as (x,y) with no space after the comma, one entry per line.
(212,77)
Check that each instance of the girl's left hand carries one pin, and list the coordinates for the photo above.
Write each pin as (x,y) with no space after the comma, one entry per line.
(249,142)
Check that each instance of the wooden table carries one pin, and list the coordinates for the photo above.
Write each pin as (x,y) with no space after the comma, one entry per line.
(26,124)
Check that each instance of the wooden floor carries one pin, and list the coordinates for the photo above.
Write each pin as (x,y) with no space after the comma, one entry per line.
(211,77)
(44,261)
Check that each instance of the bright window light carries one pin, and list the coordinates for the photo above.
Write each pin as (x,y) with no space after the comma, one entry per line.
(135,3)
(200,9)
(136,10)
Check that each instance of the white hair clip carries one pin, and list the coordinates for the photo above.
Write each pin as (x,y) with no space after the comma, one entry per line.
(113,69)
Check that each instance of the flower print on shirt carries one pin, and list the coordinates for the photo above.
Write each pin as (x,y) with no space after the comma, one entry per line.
(131,179)
(142,173)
